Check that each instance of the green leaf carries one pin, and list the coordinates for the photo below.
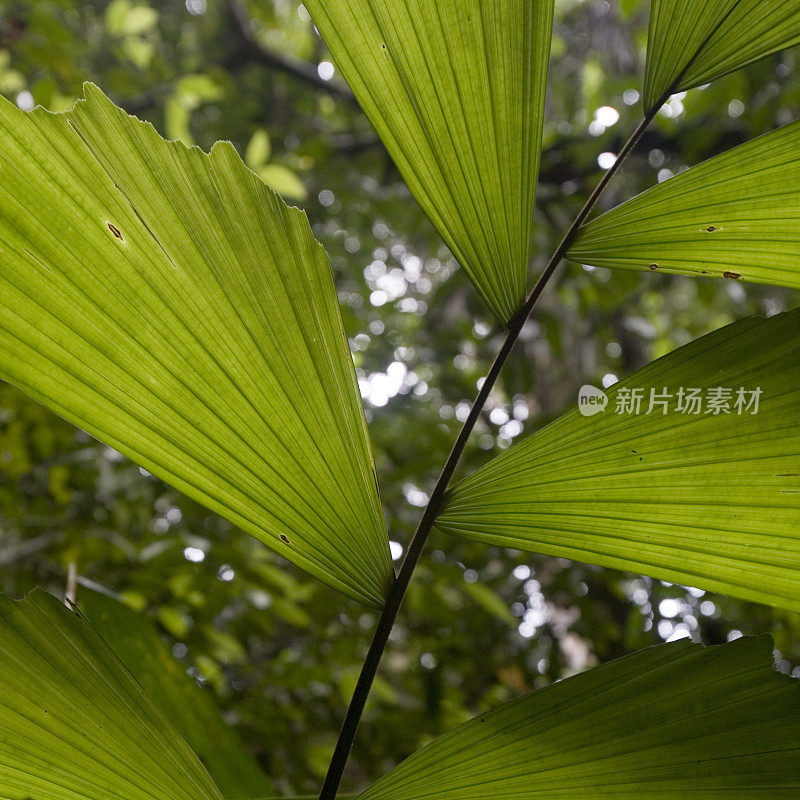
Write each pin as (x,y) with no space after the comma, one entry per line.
(675,721)
(691,42)
(489,602)
(259,149)
(455,89)
(75,724)
(171,305)
(136,642)
(123,18)
(283,181)
(700,499)
(735,216)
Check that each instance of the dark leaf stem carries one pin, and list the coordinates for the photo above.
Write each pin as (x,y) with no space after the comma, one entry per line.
(398,588)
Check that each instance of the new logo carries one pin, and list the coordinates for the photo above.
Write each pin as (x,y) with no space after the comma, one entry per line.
(591,400)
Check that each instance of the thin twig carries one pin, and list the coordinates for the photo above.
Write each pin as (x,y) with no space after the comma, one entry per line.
(398,588)
(72,583)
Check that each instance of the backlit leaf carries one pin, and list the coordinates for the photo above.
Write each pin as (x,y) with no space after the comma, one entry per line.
(735,216)
(138,645)
(697,498)
(675,721)
(455,89)
(692,42)
(171,305)
(74,724)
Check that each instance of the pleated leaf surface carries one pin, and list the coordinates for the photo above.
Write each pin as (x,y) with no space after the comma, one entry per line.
(190,708)
(681,493)
(455,89)
(691,42)
(736,216)
(74,724)
(675,721)
(170,304)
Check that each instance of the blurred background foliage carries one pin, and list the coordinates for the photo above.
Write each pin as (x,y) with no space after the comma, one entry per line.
(278,652)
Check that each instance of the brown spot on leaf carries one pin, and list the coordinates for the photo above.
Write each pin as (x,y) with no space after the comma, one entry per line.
(652,267)
(711,228)
(116,231)
(728,274)
(284,538)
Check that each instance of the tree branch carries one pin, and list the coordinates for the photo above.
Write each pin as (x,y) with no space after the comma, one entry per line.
(253,51)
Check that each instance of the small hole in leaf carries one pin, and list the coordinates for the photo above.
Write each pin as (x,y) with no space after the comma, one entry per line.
(284,538)
(653,267)
(116,231)
(711,228)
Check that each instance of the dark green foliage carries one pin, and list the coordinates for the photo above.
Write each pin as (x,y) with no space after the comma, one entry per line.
(278,651)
